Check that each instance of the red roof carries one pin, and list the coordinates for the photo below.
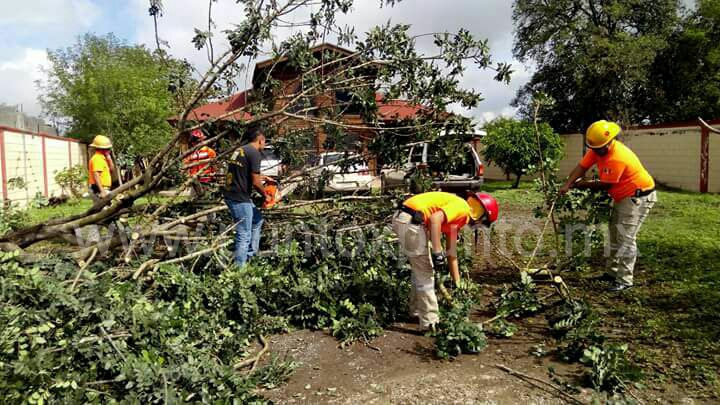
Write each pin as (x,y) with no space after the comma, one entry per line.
(388,110)
(397,110)
(220,109)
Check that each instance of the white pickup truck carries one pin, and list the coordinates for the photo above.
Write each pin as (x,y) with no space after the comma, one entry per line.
(467,177)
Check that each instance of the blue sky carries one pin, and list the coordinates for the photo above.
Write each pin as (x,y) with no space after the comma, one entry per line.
(30,27)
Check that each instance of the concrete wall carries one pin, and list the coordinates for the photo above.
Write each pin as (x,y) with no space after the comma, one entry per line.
(714,172)
(35,158)
(671,154)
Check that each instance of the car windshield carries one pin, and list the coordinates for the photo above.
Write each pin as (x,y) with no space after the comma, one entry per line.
(464,165)
(332,158)
(269,154)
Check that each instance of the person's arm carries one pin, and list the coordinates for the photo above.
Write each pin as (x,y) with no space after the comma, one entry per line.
(436,221)
(257,182)
(575,174)
(594,185)
(98,183)
(111,164)
(452,256)
(256,178)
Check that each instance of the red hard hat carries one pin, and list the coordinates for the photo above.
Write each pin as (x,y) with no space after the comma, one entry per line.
(196,133)
(490,204)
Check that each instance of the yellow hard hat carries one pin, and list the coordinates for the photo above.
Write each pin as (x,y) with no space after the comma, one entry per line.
(476,208)
(601,133)
(101,142)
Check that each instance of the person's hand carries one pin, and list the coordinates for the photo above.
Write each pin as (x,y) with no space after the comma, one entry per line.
(104,193)
(564,189)
(268,197)
(439,261)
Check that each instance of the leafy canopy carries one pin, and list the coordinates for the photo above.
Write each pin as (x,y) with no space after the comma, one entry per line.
(101,85)
(592,56)
(686,76)
(513,146)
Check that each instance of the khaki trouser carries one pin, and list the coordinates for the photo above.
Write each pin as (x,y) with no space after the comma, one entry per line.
(414,244)
(625,222)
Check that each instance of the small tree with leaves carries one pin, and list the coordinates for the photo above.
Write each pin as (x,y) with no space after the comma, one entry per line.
(513,146)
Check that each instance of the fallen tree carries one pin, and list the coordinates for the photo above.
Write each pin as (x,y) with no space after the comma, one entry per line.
(385,60)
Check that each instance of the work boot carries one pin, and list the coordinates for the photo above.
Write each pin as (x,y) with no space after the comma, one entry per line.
(619,287)
(605,277)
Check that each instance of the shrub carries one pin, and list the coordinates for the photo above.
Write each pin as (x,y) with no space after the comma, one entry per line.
(455,334)
(513,146)
(72,180)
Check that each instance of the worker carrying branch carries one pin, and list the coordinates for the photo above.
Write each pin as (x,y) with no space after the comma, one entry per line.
(631,188)
(199,163)
(430,215)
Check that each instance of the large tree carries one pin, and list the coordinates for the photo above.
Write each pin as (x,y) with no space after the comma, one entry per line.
(593,57)
(102,85)
(686,75)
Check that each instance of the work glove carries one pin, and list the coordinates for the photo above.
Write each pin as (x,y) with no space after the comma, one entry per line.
(439,261)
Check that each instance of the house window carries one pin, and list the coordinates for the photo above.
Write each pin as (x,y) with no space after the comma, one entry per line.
(344,100)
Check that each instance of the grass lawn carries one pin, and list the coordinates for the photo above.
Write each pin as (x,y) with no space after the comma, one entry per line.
(73,207)
(671,317)
(676,309)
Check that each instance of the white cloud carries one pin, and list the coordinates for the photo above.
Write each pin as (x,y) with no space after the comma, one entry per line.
(491,19)
(18,76)
(176,26)
(50,14)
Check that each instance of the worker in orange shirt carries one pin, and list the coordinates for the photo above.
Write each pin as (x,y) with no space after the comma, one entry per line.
(100,168)
(631,188)
(199,163)
(430,215)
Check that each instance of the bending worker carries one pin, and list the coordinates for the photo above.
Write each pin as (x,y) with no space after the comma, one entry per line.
(431,215)
(100,168)
(631,188)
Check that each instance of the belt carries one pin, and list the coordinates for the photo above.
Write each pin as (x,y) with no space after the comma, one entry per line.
(641,193)
(417,217)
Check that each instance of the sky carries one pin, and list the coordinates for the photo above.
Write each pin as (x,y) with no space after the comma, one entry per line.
(30,27)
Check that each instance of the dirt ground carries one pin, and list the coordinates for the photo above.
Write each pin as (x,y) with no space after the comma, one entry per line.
(400,367)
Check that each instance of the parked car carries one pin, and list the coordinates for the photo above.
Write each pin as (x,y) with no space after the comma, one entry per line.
(271,165)
(467,177)
(348,178)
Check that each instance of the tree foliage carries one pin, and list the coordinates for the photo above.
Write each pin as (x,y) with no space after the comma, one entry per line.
(102,85)
(513,146)
(686,75)
(592,56)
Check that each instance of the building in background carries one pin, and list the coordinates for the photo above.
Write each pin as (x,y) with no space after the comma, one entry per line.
(12,116)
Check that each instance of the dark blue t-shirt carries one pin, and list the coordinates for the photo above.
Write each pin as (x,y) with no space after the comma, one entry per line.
(238,179)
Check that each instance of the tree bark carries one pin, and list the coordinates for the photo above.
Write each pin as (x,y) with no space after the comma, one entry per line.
(516,184)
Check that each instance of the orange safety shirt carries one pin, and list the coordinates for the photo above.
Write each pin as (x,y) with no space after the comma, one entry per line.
(205,169)
(98,163)
(456,209)
(620,167)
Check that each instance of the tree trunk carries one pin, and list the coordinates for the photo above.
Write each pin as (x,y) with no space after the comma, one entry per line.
(516,184)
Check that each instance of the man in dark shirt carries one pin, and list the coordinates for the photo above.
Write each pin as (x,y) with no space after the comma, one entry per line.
(242,175)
